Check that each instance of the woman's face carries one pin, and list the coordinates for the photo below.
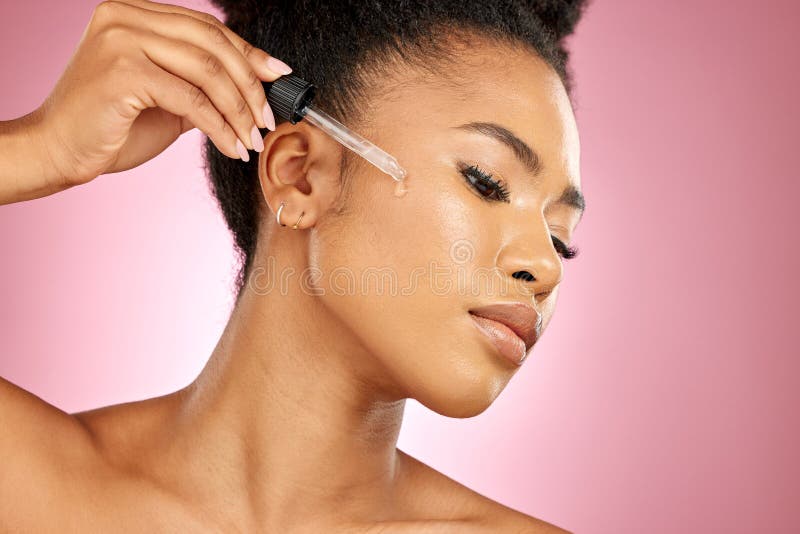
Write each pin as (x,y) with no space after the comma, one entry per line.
(401,273)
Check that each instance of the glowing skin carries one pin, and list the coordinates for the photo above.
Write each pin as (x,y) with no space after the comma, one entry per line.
(294,421)
(425,342)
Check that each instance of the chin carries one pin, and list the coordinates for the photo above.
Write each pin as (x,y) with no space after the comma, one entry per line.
(466,385)
(446,365)
(463,402)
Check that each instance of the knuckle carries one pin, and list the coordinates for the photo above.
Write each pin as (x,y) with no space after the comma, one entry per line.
(242,107)
(210,19)
(110,35)
(247,50)
(217,35)
(197,97)
(224,127)
(252,80)
(212,65)
(105,11)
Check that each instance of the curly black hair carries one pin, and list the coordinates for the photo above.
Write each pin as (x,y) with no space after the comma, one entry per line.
(340,46)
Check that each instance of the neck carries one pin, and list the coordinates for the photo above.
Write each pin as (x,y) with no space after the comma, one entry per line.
(289,415)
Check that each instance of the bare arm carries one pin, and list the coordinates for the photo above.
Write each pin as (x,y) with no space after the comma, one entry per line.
(25,169)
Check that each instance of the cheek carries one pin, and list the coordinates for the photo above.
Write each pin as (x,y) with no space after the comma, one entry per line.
(548,307)
(385,247)
(437,233)
(402,269)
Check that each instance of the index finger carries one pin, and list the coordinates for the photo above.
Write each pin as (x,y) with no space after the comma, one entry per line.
(266,66)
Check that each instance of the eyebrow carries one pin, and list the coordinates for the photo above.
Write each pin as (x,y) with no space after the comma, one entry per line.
(571,195)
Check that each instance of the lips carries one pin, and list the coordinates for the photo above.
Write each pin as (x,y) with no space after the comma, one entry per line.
(521,318)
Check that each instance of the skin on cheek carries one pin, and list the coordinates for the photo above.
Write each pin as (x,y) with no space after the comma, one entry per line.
(407,257)
(439,243)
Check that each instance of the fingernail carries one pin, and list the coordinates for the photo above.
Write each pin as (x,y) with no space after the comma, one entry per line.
(269,118)
(258,142)
(276,65)
(242,151)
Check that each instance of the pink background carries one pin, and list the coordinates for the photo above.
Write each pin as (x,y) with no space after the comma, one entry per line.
(664,397)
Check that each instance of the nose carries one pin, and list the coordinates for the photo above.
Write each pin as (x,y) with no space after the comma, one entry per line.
(532,263)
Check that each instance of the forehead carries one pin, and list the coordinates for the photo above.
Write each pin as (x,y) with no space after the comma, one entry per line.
(507,85)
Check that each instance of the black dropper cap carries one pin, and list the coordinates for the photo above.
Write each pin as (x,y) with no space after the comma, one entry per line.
(288,97)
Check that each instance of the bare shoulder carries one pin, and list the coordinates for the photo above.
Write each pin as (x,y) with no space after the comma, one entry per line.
(500,518)
(436,493)
(44,451)
(57,474)
(35,430)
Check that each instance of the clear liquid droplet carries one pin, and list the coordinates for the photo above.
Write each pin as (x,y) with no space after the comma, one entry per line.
(400,188)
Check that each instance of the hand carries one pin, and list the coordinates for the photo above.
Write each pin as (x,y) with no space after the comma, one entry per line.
(143,74)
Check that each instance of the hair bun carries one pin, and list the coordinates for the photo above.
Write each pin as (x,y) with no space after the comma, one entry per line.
(560,16)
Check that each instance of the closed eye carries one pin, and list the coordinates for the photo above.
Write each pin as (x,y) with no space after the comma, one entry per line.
(490,189)
(484,184)
(563,250)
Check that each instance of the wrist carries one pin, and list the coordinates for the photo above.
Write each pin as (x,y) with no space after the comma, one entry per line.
(26,169)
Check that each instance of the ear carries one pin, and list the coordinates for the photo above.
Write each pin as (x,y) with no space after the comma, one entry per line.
(300,167)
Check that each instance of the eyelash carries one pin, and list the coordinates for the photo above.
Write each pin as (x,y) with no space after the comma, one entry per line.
(484,179)
(479,179)
(564,251)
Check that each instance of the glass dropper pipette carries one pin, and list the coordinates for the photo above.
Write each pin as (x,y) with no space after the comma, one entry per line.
(290,98)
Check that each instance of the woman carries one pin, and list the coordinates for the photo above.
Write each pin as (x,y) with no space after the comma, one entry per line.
(293,423)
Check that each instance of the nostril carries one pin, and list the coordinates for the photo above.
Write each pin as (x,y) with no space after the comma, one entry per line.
(524,275)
